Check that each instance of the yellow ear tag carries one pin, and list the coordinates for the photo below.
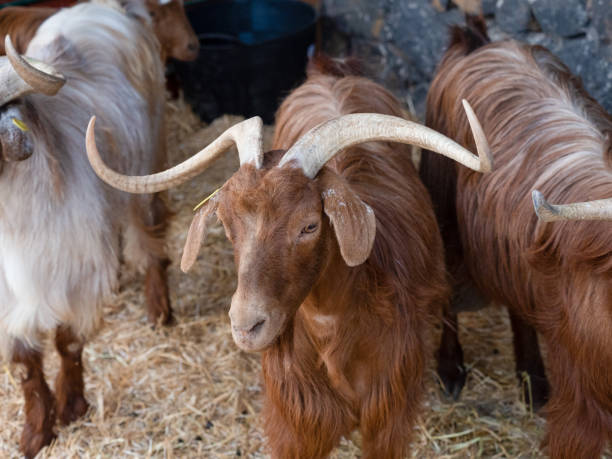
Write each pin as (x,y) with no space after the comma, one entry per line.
(20,124)
(205,200)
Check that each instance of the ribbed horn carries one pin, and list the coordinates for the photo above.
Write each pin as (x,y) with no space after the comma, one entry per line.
(246,135)
(22,75)
(590,210)
(321,143)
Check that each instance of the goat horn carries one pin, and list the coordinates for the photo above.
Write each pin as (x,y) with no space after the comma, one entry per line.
(247,135)
(27,75)
(321,143)
(591,210)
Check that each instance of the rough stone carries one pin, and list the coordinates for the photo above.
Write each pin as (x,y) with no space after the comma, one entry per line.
(513,16)
(440,5)
(552,43)
(402,41)
(421,33)
(488,7)
(600,12)
(597,79)
(577,53)
(469,6)
(355,17)
(565,18)
(605,51)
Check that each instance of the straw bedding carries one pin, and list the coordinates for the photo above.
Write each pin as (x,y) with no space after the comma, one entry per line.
(187,391)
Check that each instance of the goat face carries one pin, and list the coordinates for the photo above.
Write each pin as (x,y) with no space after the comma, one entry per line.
(282,241)
(173,30)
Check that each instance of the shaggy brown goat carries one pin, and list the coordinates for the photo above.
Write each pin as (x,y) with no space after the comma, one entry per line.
(172,28)
(339,263)
(545,133)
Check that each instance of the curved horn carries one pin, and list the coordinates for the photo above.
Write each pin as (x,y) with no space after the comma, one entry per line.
(247,135)
(320,144)
(31,75)
(591,210)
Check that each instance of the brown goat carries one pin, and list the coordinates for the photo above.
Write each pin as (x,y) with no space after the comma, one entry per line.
(172,28)
(547,133)
(174,32)
(357,347)
(339,263)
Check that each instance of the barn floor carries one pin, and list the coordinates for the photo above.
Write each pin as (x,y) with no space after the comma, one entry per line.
(187,391)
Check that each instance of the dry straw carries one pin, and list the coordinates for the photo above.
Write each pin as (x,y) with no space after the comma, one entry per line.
(187,391)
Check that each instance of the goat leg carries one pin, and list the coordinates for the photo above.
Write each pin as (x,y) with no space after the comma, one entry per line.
(69,387)
(159,309)
(39,402)
(529,363)
(156,293)
(450,356)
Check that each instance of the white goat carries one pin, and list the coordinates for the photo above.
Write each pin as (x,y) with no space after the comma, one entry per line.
(59,224)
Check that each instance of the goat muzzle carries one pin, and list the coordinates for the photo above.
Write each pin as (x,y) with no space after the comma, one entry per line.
(16,142)
(255,326)
(17,147)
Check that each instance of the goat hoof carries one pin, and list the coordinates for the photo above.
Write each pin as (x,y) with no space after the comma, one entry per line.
(32,441)
(161,316)
(72,409)
(452,378)
(159,310)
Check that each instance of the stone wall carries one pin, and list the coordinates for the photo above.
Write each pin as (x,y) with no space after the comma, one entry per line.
(401,41)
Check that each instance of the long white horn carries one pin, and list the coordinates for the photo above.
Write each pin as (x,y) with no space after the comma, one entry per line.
(590,210)
(321,143)
(247,135)
(21,75)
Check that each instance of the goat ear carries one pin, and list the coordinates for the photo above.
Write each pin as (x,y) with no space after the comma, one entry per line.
(197,233)
(352,219)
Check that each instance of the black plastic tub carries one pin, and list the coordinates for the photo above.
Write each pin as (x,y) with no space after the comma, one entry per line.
(252,52)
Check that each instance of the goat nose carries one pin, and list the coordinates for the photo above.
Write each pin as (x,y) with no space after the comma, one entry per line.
(193,46)
(252,329)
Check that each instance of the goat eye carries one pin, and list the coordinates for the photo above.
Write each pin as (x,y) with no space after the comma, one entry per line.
(309,229)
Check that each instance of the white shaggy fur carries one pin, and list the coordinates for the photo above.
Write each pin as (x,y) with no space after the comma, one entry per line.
(59,224)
